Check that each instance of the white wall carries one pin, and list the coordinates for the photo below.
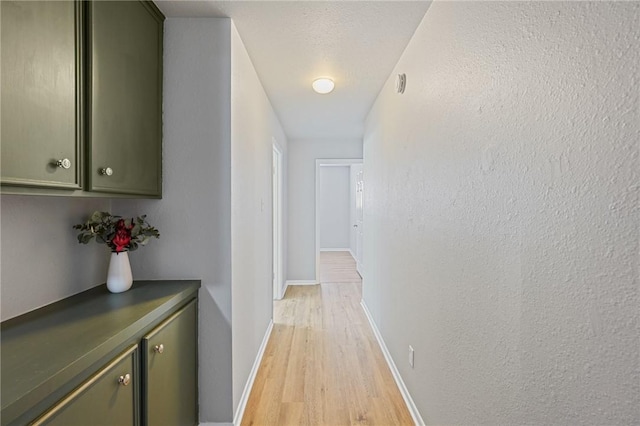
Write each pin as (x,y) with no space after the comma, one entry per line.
(502,213)
(335,207)
(194,216)
(41,259)
(301,251)
(253,125)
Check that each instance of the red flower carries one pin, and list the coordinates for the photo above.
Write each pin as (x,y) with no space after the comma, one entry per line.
(122,238)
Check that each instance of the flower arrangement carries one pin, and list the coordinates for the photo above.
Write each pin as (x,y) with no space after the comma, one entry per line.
(119,234)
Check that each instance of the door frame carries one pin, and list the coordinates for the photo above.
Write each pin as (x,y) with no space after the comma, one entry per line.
(277,234)
(358,219)
(326,162)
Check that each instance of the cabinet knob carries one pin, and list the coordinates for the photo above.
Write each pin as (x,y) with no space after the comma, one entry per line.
(124,380)
(158,348)
(65,163)
(107,171)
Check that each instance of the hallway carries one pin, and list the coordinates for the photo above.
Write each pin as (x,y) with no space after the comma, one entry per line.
(322,365)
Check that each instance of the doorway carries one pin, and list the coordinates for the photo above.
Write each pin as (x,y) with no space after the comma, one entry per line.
(320,164)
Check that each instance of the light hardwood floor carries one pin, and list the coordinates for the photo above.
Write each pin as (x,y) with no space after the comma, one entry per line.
(322,364)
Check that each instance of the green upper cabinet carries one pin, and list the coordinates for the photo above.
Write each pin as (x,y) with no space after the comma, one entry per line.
(41,94)
(125,97)
(81,98)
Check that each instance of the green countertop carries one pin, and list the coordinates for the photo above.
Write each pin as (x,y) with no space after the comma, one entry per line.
(45,352)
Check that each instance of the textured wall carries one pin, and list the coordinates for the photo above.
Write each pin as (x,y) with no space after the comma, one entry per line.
(301,187)
(335,207)
(502,213)
(194,216)
(253,126)
(42,261)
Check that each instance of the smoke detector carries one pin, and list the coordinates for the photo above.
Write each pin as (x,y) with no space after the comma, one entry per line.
(401,83)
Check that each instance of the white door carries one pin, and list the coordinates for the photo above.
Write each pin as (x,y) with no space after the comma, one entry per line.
(358,219)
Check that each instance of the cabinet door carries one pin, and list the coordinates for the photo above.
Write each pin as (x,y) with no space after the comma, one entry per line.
(170,357)
(41,100)
(107,398)
(125,75)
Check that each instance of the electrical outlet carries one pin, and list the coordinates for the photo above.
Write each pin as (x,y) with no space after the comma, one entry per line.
(411,356)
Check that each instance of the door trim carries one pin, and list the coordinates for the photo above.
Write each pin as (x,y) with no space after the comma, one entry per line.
(277,233)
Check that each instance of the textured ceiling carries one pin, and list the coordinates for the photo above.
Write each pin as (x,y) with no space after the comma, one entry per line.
(356,43)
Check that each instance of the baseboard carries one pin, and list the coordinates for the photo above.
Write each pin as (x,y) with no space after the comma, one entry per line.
(415,414)
(300,282)
(237,419)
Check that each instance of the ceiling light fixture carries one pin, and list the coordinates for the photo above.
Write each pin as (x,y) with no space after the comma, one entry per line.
(323,85)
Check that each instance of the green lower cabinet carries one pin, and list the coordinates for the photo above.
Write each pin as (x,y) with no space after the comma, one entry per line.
(169,384)
(170,356)
(98,358)
(109,397)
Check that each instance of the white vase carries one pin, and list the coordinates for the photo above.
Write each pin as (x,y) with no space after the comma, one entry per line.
(119,277)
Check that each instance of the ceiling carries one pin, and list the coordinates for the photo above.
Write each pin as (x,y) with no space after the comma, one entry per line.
(356,43)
